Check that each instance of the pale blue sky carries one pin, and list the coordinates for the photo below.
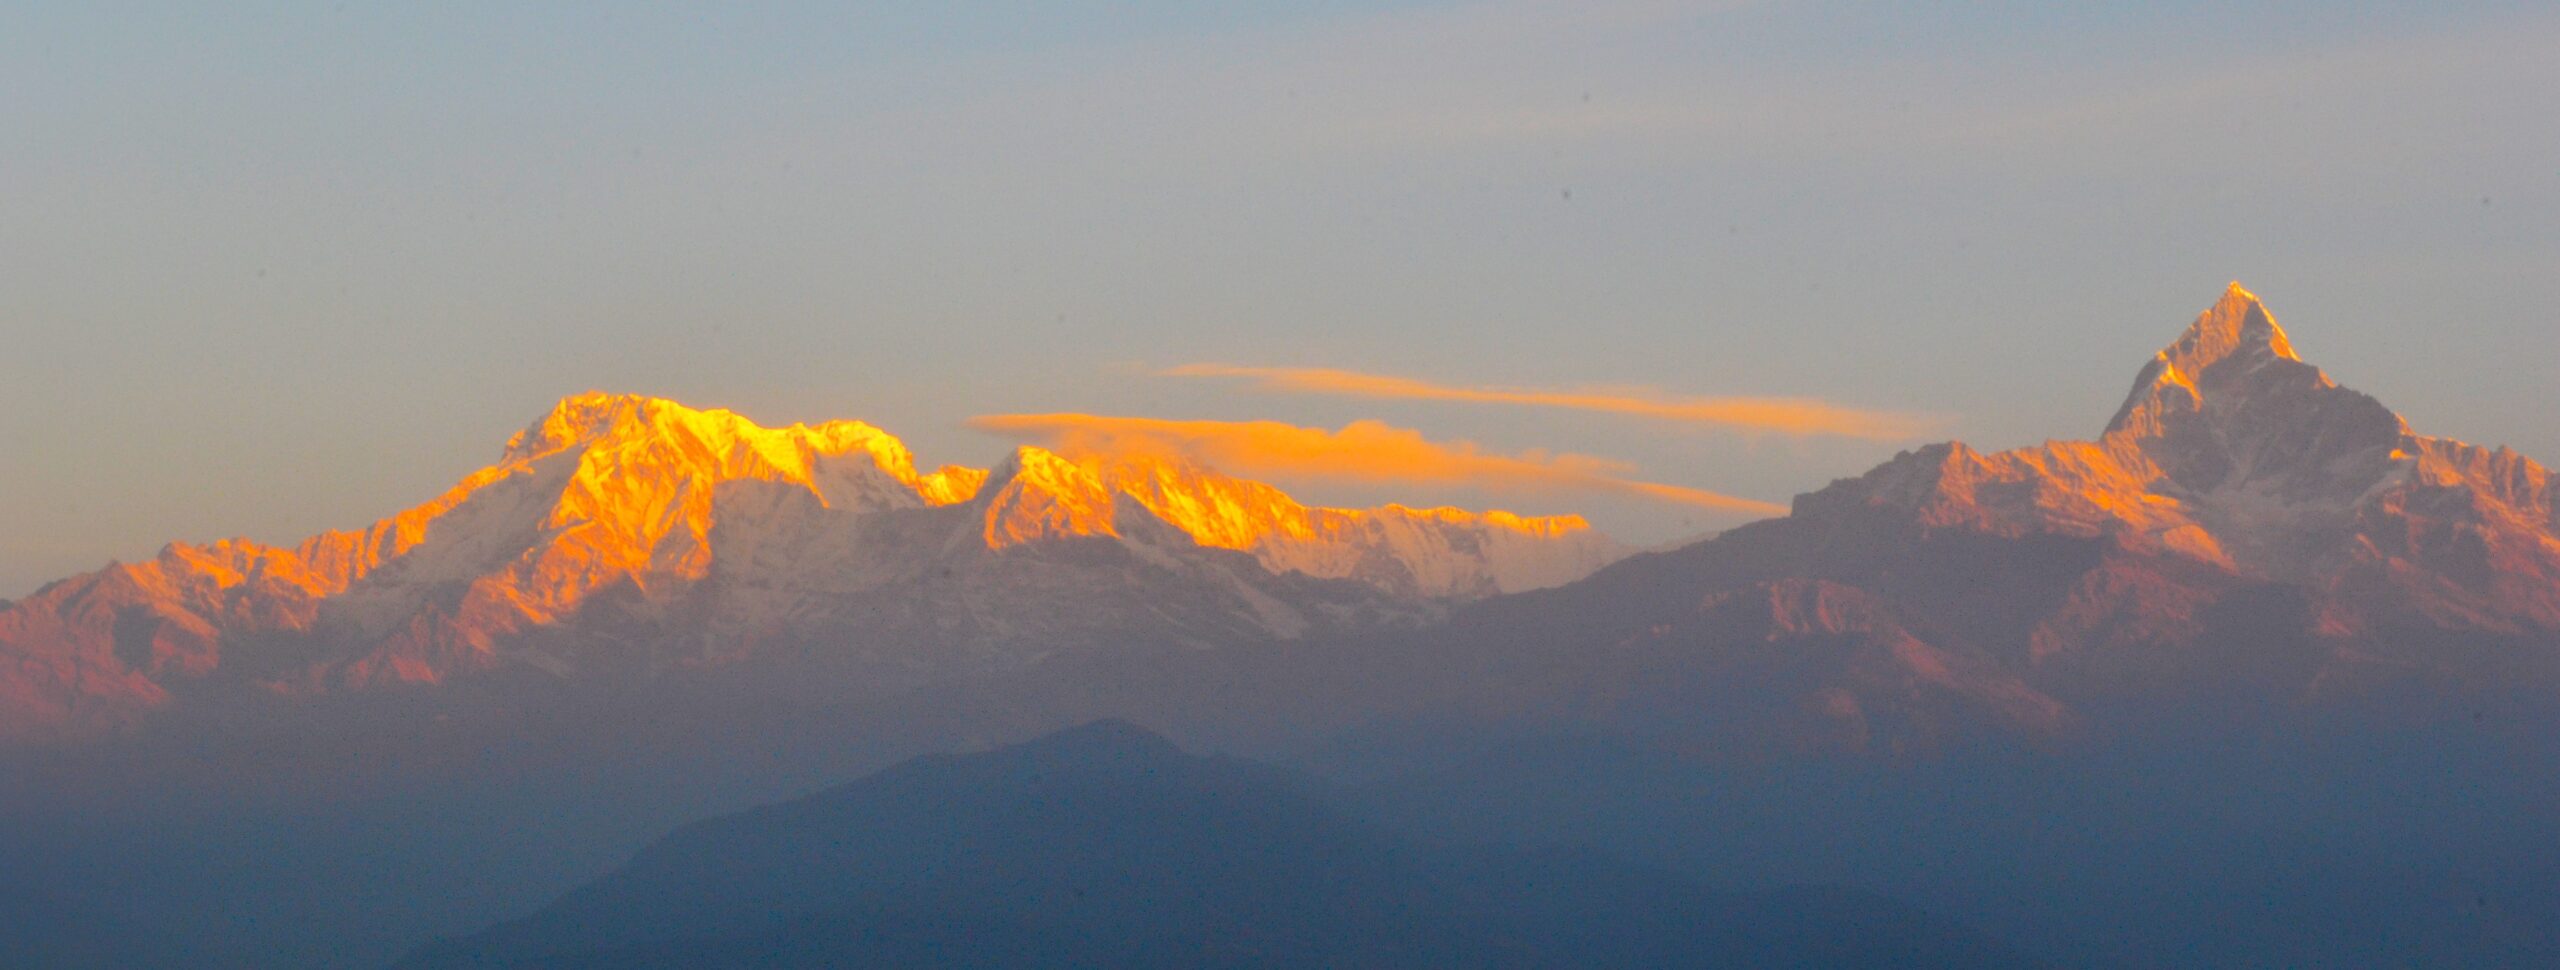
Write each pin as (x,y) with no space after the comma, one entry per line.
(268,269)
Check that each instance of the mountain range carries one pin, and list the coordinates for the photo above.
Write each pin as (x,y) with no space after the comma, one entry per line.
(622,536)
(2255,675)
(2243,525)
(2241,519)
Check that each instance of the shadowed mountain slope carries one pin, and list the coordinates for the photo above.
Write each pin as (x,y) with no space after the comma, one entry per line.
(1106,846)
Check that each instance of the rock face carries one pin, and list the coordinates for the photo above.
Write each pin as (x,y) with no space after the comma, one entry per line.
(621,534)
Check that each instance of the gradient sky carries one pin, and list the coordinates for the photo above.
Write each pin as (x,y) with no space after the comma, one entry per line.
(267,269)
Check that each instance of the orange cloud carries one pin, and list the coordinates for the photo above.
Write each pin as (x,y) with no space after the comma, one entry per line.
(1363,451)
(1795,416)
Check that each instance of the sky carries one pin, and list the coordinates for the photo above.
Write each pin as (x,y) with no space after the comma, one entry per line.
(267,269)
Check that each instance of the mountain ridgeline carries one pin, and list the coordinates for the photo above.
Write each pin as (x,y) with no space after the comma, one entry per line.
(620,537)
(2258,675)
(2246,538)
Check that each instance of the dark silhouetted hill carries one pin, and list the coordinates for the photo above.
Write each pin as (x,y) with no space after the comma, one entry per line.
(1104,845)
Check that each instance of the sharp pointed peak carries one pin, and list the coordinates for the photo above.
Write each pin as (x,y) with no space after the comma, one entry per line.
(2237,322)
(2237,327)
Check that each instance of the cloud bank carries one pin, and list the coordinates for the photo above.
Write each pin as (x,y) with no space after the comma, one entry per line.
(1792,416)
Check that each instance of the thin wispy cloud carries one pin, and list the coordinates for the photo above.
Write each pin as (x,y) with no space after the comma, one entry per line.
(1369,452)
(1792,416)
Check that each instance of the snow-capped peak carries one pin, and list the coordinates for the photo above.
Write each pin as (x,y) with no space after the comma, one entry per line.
(1440,552)
(2238,321)
(2235,335)
(2230,402)
(1035,494)
(701,527)
(725,444)
(2234,451)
